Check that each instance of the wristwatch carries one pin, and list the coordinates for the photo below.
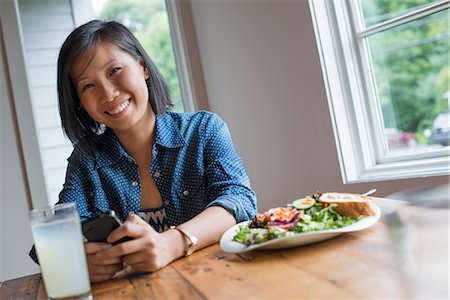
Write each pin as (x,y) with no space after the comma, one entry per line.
(193,241)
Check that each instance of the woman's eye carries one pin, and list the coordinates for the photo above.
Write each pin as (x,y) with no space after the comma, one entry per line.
(114,70)
(86,86)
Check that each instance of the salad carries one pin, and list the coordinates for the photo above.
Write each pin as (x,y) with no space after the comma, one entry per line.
(303,215)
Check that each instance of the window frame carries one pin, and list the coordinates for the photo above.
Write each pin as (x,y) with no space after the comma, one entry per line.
(189,91)
(352,97)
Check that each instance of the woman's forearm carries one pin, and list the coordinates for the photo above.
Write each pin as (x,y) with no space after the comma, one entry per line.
(209,225)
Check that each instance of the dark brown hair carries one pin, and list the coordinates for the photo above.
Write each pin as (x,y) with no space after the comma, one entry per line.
(80,128)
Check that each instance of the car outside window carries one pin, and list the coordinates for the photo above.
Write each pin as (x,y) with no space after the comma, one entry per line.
(441,129)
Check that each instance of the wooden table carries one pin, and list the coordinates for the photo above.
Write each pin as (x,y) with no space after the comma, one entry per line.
(404,256)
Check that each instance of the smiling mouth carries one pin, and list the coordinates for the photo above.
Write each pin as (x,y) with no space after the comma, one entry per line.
(118,109)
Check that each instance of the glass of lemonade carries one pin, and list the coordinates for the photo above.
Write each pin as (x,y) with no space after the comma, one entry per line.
(59,245)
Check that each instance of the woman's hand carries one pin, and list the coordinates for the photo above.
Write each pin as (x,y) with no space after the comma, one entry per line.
(103,268)
(148,251)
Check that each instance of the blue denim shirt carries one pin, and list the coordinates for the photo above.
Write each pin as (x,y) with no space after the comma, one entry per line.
(194,165)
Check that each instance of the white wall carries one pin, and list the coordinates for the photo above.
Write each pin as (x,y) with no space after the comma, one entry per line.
(263,76)
(15,235)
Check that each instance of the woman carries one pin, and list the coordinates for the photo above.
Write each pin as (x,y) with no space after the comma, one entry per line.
(155,168)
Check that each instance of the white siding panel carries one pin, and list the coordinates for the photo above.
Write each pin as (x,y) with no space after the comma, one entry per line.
(42,76)
(44,6)
(56,158)
(46,22)
(42,57)
(44,96)
(53,196)
(15,233)
(52,137)
(45,26)
(47,117)
(45,40)
(57,177)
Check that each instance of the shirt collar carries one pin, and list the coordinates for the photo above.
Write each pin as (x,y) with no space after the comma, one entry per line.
(167,132)
(111,150)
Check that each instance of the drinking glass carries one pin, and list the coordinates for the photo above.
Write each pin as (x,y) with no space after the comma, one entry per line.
(59,245)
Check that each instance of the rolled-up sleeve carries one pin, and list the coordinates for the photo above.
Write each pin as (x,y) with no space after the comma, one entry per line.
(228,184)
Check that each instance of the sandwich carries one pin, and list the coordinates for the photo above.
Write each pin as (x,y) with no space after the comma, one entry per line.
(348,205)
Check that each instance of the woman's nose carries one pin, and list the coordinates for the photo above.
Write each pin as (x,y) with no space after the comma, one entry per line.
(110,92)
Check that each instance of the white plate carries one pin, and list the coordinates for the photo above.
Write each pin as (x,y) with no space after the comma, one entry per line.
(228,245)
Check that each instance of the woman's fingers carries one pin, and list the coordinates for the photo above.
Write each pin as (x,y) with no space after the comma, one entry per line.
(101,270)
(135,258)
(101,265)
(104,269)
(99,278)
(92,259)
(124,248)
(134,227)
(145,267)
(92,248)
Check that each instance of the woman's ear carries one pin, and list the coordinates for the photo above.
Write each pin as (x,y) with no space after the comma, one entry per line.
(142,63)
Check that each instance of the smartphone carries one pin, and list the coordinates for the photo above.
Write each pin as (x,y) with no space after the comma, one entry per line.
(98,228)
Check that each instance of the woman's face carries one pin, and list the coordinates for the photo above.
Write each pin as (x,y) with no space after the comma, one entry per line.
(111,87)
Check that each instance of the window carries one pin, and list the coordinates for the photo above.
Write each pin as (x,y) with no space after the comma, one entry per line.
(36,31)
(386,73)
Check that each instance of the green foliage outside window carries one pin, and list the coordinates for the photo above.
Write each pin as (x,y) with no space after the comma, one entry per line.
(411,65)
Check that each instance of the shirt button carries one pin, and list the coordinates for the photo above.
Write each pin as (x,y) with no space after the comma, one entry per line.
(157,174)
(134,183)
(186,193)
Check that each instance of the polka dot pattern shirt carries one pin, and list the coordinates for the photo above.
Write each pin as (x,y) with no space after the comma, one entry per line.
(194,165)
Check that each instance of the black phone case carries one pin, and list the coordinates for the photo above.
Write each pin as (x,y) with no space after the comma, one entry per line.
(97,229)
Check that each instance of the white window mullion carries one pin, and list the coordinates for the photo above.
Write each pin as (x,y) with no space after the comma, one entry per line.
(185,74)
(373,121)
(352,57)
